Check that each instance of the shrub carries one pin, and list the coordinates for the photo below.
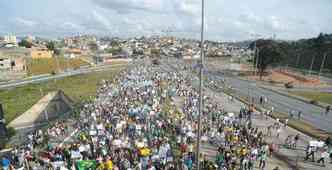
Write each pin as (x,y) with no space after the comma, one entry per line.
(11,132)
(313,102)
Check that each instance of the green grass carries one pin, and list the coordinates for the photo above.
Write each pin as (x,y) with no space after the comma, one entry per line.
(49,65)
(317,96)
(17,100)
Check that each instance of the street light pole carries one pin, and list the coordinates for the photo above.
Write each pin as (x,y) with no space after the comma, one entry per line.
(297,61)
(322,66)
(200,91)
(312,63)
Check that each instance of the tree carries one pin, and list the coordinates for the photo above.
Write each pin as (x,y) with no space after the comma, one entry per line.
(50,46)
(269,53)
(57,51)
(25,43)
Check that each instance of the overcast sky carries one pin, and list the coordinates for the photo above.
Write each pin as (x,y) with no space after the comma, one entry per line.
(225,19)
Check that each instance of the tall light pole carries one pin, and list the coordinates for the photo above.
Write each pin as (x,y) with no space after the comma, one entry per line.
(200,91)
(312,63)
(322,66)
(255,37)
(297,61)
(255,56)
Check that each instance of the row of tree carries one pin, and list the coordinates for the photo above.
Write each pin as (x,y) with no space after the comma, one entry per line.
(50,45)
(300,54)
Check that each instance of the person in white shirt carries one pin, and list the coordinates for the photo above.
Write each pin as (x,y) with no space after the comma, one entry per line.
(323,155)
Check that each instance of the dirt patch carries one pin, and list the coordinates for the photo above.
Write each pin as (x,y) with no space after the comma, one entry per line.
(280,77)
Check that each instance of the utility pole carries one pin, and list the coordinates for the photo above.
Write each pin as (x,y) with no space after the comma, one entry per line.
(200,91)
(255,57)
(322,65)
(312,63)
(297,61)
(255,37)
(57,62)
(257,63)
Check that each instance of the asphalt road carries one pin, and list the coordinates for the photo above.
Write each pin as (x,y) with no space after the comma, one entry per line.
(281,103)
(244,88)
(58,76)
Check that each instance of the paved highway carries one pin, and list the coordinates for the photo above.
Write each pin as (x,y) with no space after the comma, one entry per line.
(310,113)
(58,76)
(281,103)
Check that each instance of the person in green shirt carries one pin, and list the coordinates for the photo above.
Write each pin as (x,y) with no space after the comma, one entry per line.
(220,159)
(262,160)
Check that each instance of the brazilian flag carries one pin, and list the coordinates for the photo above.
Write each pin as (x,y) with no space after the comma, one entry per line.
(86,164)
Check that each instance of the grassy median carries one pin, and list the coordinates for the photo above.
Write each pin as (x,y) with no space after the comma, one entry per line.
(315,96)
(80,87)
(53,65)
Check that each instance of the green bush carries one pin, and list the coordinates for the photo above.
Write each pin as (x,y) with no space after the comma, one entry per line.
(11,132)
(3,143)
(313,102)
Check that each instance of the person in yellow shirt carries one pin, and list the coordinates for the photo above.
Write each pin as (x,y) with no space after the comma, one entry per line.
(101,166)
(109,165)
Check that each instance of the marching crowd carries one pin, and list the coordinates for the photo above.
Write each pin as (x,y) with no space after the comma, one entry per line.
(135,122)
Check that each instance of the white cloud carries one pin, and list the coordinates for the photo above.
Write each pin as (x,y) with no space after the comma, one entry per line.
(188,7)
(274,23)
(226,19)
(72,26)
(177,7)
(102,20)
(25,22)
(127,6)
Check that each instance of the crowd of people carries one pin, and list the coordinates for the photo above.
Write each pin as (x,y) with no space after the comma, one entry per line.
(146,119)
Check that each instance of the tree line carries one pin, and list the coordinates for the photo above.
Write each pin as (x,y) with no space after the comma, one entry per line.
(301,54)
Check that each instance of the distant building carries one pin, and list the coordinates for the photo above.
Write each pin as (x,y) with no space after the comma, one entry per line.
(10,39)
(68,41)
(12,64)
(72,53)
(108,58)
(13,59)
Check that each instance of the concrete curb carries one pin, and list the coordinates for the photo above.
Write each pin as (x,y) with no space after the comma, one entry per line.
(319,104)
(271,116)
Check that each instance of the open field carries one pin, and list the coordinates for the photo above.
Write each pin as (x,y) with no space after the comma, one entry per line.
(17,100)
(317,96)
(52,65)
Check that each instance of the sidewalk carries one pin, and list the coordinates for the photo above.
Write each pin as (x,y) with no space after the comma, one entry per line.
(284,158)
(291,155)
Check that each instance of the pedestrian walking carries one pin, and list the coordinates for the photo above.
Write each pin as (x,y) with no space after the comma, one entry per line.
(330,155)
(296,139)
(323,155)
(327,110)
(299,114)
(291,114)
(261,100)
(286,123)
(310,152)
(265,100)
(278,131)
(262,160)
